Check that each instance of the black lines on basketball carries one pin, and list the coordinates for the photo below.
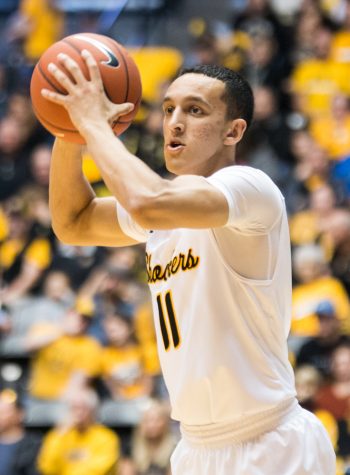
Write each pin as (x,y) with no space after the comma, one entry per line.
(48,80)
(121,56)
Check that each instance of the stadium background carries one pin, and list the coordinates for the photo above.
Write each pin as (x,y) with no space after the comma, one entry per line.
(79,318)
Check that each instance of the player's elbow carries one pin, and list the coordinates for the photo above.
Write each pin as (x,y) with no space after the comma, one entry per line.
(66,234)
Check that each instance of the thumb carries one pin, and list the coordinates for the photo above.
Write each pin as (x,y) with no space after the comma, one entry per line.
(122,109)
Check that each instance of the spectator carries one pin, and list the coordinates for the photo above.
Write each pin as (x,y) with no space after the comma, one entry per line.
(311,225)
(64,356)
(335,396)
(18,449)
(308,382)
(153,441)
(332,132)
(47,307)
(40,165)
(318,350)
(264,65)
(128,368)
(317,80)
(80,445)
(38,24)
(315,285)
(14,165)
(23,255)
(340,263)
(340,51)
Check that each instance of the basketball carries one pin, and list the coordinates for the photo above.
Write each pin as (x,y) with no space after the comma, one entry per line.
(120,77)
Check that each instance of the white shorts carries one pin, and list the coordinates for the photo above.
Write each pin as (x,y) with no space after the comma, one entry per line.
(299,446)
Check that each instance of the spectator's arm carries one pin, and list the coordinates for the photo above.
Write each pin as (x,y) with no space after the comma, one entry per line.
(40,336)
(29,274)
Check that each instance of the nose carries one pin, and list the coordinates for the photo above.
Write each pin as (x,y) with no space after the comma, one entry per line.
(176,122)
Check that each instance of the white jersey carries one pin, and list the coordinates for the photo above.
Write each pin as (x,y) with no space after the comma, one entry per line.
(221,300)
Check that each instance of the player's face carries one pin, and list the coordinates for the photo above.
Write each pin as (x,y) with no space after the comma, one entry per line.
(195,125)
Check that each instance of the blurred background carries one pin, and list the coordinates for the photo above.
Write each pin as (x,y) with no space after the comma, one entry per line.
(80,384)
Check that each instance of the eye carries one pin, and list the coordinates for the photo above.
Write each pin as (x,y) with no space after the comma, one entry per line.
(168,110)
(195,110)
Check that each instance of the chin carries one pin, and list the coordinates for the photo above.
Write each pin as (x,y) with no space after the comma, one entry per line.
(173,167)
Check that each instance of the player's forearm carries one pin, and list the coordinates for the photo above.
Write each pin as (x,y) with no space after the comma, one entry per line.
(129,179)
(69,192)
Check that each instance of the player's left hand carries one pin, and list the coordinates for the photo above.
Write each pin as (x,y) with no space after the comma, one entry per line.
(85,101)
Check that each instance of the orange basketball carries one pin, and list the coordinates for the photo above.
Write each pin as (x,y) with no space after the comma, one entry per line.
(119,73)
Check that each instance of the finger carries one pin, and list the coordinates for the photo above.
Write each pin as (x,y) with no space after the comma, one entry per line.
(72,67)
(54,96)
(61,77)
(92,65)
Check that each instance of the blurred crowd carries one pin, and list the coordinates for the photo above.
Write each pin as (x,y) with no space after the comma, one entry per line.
(80,384)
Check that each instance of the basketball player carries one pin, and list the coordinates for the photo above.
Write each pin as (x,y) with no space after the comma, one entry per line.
(218,265)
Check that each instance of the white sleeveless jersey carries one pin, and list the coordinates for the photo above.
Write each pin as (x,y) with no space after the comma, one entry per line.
(222,334)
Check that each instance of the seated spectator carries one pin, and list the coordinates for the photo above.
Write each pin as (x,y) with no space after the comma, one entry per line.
(335,396)
(332,132)
(40,160)
(309,226)
(48,307)
(63,354)
(115,283)
(128,368)
(318,79)
(80,445)
(76,261)
(318,350)
(38,25)
(340,51)
(18,450)
(315,285)
(153,441)
(14,163)
(308,382)
(24,254)
(340,263)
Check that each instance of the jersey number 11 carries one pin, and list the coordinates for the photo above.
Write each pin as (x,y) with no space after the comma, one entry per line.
(169,317)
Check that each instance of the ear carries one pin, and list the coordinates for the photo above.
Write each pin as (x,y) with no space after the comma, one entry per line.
(235,131)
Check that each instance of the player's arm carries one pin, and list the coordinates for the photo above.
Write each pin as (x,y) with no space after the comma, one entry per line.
(153,202)
(78,216)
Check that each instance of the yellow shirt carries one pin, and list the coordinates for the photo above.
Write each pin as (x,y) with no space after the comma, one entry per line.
(38,253)
(93,452)
(317,82)
(306,297)
(333,136)
(3,225)
(124,369)
(53,365)
(304,229)
(46,27)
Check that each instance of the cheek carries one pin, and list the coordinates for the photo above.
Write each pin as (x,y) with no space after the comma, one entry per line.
(205,133)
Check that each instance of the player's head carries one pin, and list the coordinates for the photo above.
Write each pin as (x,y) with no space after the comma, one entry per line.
(206,112)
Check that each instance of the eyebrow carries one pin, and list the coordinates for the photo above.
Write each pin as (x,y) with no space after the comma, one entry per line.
(193,98)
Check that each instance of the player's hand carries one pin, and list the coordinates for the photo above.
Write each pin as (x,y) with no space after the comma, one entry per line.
(85,101)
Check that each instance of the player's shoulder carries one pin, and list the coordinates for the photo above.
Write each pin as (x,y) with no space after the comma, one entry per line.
(247,173)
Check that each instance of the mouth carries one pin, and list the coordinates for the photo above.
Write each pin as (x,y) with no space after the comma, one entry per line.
(175,146)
